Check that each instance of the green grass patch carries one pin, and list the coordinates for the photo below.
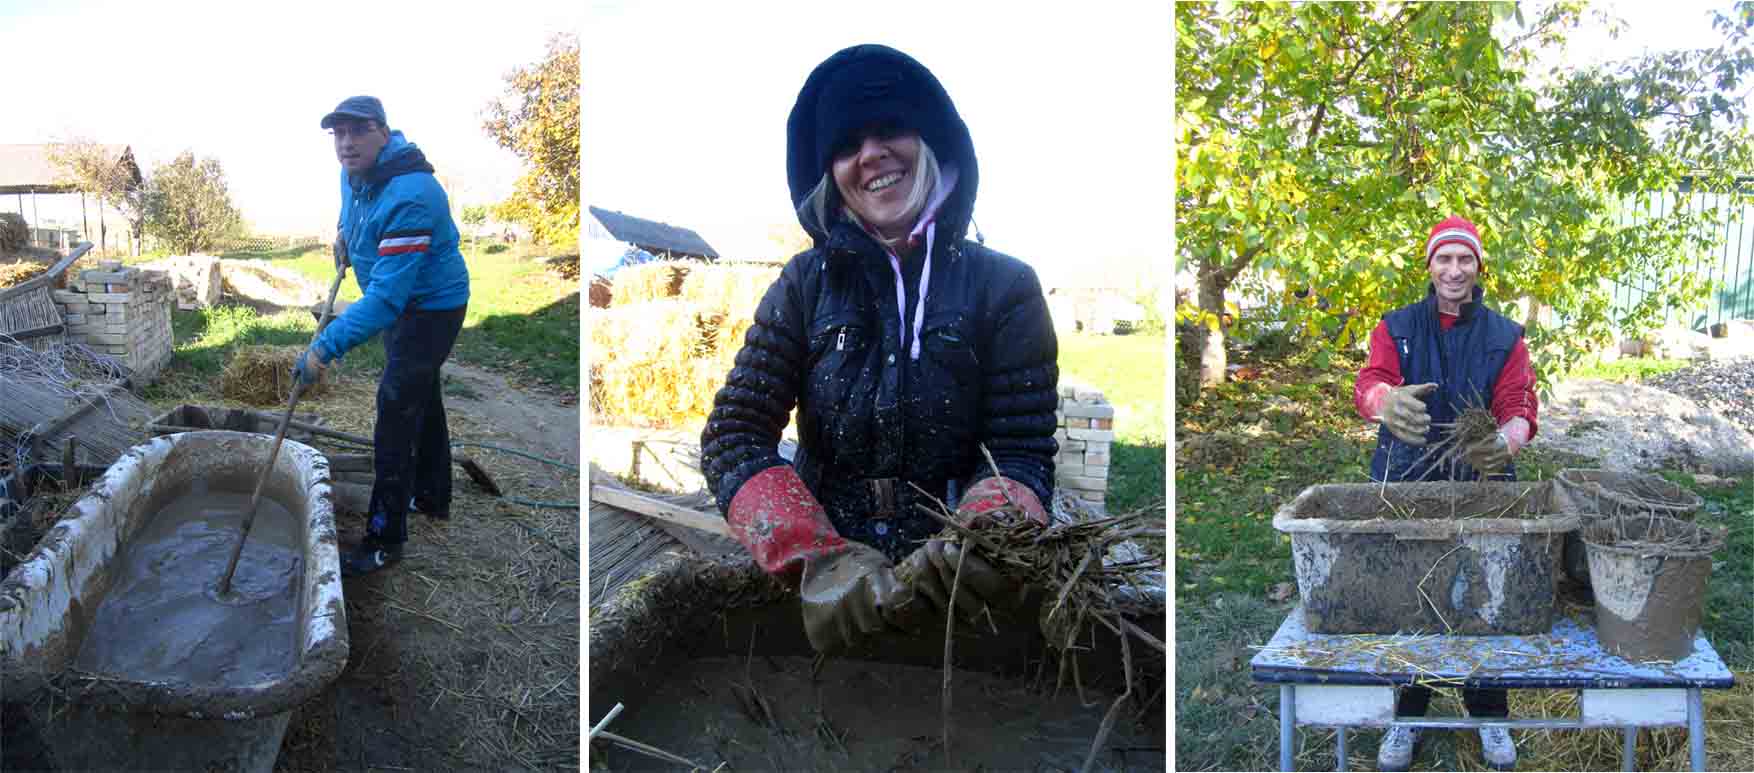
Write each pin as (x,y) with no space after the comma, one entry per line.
(1249,447)
(523,317)
(1129,370)
(1627,369)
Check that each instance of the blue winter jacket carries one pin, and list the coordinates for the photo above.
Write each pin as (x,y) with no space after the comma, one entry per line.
(403,245)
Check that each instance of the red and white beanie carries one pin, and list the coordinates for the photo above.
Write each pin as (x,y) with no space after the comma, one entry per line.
(1455,229)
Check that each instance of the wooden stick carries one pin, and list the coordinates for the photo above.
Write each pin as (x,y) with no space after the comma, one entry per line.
(649,751)
(231,566)
(661,510)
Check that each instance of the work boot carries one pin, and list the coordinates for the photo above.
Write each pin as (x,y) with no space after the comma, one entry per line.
(369,556)
(1396,751)
(1497,748)
(428,509)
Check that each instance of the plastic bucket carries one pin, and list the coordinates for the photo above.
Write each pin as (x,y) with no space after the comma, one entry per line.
(1649,576)
(1604,493)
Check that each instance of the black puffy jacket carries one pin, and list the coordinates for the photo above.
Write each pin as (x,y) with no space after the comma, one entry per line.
(827,338)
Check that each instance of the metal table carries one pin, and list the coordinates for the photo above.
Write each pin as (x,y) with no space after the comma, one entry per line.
(1349,681)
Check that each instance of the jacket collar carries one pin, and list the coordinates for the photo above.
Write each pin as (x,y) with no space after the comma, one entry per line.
(1468,309)
(397,157)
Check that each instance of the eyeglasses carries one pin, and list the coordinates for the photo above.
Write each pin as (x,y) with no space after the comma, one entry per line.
(358,129)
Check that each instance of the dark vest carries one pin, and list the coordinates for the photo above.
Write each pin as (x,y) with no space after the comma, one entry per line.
(1463,361)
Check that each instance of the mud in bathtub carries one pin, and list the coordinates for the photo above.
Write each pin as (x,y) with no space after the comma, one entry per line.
(163,618)
(859,715)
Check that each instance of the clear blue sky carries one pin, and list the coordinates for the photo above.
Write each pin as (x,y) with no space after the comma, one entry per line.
(247,83)
(686,102)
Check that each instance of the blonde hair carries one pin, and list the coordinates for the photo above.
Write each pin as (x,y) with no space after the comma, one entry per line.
(926,174)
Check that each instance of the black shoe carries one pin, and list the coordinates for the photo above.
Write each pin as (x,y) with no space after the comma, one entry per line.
(426,508)
(369,556)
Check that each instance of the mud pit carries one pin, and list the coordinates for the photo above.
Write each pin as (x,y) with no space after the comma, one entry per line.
(162,618)
(862,715)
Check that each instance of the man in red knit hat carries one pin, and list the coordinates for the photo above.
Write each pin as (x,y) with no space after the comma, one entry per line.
(1429,361)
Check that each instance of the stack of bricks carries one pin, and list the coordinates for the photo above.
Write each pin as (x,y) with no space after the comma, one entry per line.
(1085,434)
(122,312)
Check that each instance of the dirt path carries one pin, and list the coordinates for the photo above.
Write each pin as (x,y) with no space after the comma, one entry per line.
(543,420)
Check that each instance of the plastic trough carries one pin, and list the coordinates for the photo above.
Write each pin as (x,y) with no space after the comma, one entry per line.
(90,721)
(1475,558)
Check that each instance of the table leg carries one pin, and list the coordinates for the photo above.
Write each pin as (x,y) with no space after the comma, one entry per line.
(1696,727)
(1340,748)
(1628,745)
(1287,724)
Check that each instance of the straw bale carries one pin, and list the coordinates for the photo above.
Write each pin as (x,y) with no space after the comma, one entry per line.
(733,289)
(657,280)
(650,362)
(262,375)
(15,273)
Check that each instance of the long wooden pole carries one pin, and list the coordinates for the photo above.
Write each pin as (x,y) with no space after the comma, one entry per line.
(231,566)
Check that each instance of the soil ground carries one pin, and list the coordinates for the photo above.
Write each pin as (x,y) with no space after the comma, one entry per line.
(465,655)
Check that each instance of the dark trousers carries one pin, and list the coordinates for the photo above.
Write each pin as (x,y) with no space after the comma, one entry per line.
(412,444)
(1414,700)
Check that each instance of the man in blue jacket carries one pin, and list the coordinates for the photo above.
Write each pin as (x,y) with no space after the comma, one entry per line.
(397,232)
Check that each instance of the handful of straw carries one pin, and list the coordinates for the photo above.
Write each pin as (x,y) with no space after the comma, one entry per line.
(1065,560)
(1475,424)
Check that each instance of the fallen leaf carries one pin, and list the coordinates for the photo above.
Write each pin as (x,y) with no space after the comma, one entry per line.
(1282,592)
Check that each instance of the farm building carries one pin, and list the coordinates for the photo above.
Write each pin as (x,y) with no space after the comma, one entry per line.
(35,187)
(649,236)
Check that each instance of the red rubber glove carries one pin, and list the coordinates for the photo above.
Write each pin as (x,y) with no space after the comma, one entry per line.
(776,517)
(990,494)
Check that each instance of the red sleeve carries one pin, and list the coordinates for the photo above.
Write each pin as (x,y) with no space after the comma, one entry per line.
(1384,367)
(1514,394)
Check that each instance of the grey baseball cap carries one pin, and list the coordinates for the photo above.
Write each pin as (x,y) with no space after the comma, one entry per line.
(367,108)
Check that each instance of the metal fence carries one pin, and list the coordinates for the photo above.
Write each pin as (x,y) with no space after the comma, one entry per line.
(1728,269)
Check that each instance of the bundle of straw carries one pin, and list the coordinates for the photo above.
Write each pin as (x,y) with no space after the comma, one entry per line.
(654,281)
(648,364)
(16,273)
(262,375)
(1066,560)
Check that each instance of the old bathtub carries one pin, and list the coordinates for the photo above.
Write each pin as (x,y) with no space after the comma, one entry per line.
(110,720)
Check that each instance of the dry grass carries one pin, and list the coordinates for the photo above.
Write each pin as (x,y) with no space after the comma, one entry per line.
(262,375)
(1655,535)
(732,289)
(654,281)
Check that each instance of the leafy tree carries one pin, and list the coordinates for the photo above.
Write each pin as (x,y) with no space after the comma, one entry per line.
(475,215)
(187,205)
(538,119)
(1319,142)
(96,170)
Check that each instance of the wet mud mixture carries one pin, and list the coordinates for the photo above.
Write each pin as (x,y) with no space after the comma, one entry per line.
(857,715)
(163,618)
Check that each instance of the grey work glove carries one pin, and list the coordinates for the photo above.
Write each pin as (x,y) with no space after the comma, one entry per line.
(844,595)
(1403,412)
(1490,455)
(930,572)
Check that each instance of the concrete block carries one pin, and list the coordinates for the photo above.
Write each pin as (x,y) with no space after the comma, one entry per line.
(100,276)
(1096,470)
(73,319)
(1091,410)
(1087,395)
(106,297)
(1067,389)
(1064,470)
(1087,483)
(1093,496)
(107,339)
(1060,418)
(1099,435)
(1102,424)
(1072,424)
(1096,447)
(1072,445)
(1060,435)
(66,296)
(1099,459)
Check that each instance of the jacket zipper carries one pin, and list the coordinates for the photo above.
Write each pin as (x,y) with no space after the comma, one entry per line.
(840,341)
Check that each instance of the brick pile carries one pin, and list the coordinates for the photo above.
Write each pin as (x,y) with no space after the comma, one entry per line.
(123,312)
(1085,434)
